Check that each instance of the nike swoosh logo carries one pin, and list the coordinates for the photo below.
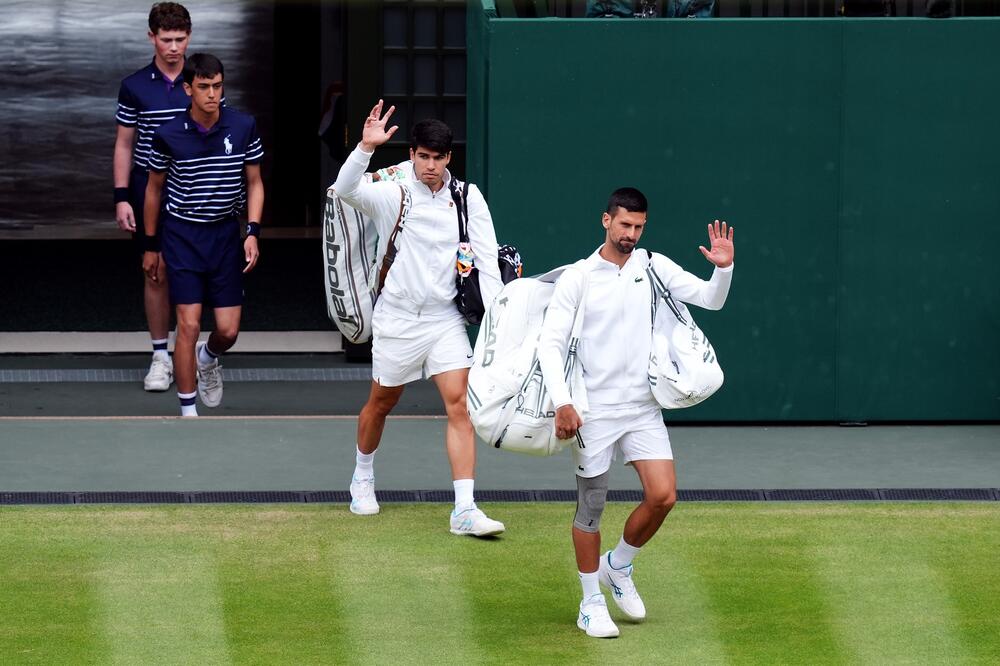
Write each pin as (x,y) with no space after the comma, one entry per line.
(469,356)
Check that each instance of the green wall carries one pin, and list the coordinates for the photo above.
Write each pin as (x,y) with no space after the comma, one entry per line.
(856,159)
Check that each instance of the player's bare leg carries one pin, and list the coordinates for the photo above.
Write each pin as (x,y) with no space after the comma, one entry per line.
(460,442)
(156,297)
(188,329)
(371,423)
(659,485)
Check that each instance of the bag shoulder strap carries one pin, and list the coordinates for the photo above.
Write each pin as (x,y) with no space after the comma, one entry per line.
(390,247)
(577,330)
(460,195)
(659,291)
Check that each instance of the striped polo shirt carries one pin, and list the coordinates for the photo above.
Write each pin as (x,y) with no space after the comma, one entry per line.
(146,100)
(205,175)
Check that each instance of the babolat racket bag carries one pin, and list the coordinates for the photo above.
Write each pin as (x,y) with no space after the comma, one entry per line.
(351,252)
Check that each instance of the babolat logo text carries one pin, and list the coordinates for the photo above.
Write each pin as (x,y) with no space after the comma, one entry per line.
(335,294)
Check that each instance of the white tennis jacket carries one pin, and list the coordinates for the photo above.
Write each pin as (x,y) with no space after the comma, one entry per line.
(421,282)
(617,327)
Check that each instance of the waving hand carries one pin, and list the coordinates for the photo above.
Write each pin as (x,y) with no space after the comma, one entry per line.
(375,134)
(722,250)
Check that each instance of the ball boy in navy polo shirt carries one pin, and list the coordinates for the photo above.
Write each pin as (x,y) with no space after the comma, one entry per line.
(147,99)
(204,169)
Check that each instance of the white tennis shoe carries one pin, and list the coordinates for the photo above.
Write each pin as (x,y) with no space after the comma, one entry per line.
(619,583)
(594,618)
(160,375)
(473,522)
(209,380)
(363,501)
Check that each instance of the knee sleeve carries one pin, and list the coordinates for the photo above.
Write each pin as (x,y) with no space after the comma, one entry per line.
(591,496)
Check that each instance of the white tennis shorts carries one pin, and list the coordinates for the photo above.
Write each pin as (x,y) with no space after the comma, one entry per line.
(637,433)
(404,351)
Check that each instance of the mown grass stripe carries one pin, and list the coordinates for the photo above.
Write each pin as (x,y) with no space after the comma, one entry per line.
(161,606)
(964,558)
(763,587)
(48,608)
(311,583)
(914,621)
(395,582)
(277,570)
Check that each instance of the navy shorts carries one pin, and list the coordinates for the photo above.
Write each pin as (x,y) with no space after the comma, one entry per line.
(205,261)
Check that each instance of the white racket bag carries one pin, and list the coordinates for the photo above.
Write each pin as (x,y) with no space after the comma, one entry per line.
(508,403)
(683,367)
(352,252)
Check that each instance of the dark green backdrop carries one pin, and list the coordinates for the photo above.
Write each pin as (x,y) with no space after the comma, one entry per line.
(857,160)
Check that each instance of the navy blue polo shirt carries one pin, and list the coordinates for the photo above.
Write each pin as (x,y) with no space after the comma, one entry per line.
(146,100)
(205,179)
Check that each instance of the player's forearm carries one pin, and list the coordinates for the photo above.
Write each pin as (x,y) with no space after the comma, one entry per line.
(380,201)
(710,294)
(255,200)
(552,362)
(348,185)
(553,343)
(151,206)
(484,244)
(122,162)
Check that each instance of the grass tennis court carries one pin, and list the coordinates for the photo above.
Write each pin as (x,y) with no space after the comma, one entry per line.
(309,584)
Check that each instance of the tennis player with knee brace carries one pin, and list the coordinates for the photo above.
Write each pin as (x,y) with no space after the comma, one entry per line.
(624,418)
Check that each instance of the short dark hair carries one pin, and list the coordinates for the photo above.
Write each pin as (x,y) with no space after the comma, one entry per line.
(628,198)
(169,16)
(432,135)
(202,65)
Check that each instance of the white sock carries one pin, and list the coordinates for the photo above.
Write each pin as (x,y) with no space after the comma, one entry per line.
(204,356)
(160,349)
(590,584)
(364,465)
(463,493)
(623,554)
(188,405)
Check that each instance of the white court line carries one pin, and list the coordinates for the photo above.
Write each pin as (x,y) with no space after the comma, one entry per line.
(102,342)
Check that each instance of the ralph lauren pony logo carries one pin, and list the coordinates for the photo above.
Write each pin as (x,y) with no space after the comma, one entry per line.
(228,144)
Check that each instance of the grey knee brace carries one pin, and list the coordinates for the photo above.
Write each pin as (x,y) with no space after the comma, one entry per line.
(590,497)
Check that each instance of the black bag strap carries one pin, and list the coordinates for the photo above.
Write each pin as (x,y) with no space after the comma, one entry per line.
(461,199)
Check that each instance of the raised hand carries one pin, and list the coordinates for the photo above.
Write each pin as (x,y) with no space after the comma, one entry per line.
(722,250)
(375,133)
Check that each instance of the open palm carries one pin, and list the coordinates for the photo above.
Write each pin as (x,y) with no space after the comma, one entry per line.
(374,132)
(722,250)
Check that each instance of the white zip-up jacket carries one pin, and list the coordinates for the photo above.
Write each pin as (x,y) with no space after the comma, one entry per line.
(421,282)
(617,325)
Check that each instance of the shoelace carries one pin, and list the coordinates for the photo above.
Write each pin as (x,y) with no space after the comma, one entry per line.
(211,376)
(365,485)
(159,363)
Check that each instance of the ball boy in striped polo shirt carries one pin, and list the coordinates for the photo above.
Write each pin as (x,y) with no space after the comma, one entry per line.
(147,99)
(204,170)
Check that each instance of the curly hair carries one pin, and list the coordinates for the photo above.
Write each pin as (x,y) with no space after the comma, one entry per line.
(169,16)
